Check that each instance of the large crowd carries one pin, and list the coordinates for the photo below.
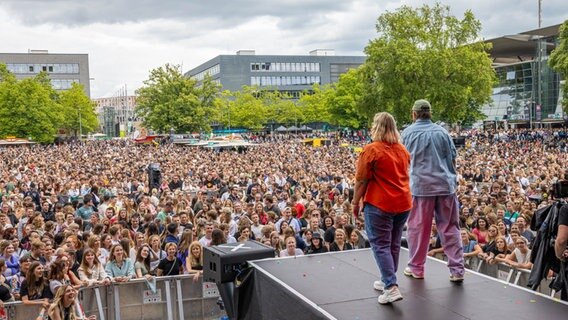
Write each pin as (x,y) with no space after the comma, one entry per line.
(83,214)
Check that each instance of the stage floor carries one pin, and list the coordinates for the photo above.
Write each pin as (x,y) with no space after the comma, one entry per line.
(340,286)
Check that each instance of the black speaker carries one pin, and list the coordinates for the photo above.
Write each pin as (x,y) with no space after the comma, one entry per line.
(222,264)
(154,176)
(459,141)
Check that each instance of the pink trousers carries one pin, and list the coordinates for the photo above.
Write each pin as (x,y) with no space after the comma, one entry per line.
(446,212)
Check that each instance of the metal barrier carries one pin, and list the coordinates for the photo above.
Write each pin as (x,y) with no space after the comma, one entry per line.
(175,298)
(516,276)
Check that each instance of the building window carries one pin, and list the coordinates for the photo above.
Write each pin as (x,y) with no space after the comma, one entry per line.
(216,69)
(62,84)
(285,81)
(285,67)
(27,68)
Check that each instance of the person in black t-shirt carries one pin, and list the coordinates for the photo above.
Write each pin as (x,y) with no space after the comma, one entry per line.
(170,265)
(35,289)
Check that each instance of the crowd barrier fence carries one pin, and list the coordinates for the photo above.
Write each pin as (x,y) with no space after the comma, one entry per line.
(181,297)
(502,271)
(175,298)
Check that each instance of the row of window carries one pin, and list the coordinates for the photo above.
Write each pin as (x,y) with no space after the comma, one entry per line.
(211,72)
(284,81)
(293,94)
(62,84)
(23,68)
(285,67)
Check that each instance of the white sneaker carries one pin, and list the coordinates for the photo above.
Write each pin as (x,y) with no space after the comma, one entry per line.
(456,279)
(407,272)
(379,286)
(390,295)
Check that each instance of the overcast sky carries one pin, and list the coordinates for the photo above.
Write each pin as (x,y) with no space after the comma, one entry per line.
(127,38)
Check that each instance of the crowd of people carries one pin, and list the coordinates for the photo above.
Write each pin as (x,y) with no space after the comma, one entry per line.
(82,214)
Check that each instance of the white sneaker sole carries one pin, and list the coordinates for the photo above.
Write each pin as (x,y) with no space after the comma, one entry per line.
(412,275)
(390,301)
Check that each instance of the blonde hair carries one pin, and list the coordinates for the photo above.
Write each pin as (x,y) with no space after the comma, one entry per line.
(57,304)
(384,128)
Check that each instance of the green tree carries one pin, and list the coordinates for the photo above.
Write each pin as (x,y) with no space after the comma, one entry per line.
(5,75)
(343,101)
(28,107)
(245,109)
(427,53)
(222,106)
(558,61)
(78,110)
(169,100)
(313,105)
(281,108)
(287,111)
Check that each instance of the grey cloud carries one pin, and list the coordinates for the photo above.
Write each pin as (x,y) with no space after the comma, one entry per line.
(199,17)
(71,12)
(500,17)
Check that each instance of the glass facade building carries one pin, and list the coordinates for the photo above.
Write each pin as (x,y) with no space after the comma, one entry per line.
(527,92)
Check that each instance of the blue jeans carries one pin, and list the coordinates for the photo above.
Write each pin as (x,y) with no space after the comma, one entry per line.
(385,232)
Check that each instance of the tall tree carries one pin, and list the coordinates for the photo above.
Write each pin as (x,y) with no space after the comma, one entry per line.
(79,115)
(28,107)
(313,105)
(558,61)
(281,108)
(427,53)
(245,109)
(168,100)
(343,101)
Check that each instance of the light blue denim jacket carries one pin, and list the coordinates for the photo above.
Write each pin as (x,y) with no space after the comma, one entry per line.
(432,152)
(113,271)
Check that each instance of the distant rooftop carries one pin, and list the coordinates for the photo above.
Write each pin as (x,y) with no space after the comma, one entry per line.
(316,52)
(38,51)
(521,47)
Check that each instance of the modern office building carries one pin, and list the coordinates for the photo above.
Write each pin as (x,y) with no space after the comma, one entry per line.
(63,69)
(289,74)
(527,93)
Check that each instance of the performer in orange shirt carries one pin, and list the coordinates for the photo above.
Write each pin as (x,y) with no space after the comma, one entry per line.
(382,183)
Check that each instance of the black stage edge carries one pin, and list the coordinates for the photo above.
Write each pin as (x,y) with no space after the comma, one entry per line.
(340,286)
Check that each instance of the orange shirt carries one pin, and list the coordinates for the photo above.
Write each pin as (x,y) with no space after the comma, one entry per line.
(386,168)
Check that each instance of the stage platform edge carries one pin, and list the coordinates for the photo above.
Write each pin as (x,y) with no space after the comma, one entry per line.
(339,285)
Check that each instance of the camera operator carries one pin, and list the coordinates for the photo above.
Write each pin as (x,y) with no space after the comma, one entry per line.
(561,248)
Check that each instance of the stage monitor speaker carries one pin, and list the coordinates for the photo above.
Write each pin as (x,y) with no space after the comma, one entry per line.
(222,263)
